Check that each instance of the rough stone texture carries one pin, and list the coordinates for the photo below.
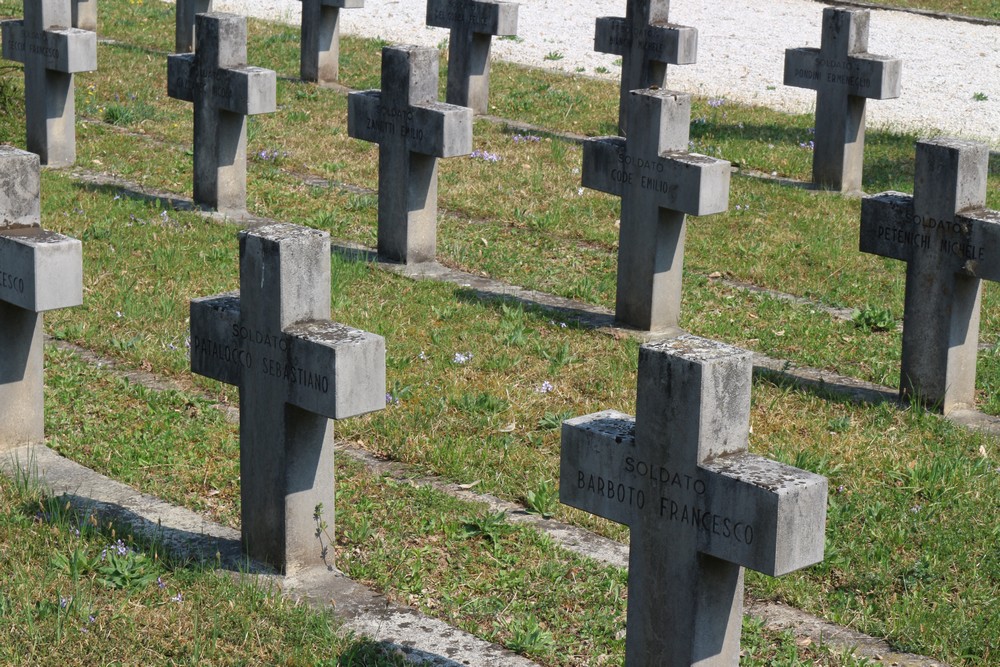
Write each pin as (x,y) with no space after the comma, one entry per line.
(699,507)
(85,15)
(473,23)
(296,371)
(844,75)
(659,183)
(949,241)
(412,129)
(647,43)
(186,10)
(320,50)
(39,271)
(224,90)
(51,52)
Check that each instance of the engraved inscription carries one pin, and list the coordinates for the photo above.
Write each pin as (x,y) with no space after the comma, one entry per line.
(458,11)
(922,232)
(32,42)
(11,283)
(650,40)
(393,121)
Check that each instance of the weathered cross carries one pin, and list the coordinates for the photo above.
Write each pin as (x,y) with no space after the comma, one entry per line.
(51,52)
(659,182)
(296,370)
(85,14)
(699,507)
(185,11)
(844,75)
(950,243)
(473,23)
(320,50)
(39,271)
(412,130)
(224,91)
(647,43)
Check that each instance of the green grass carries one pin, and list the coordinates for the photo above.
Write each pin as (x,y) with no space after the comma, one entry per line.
(911,539)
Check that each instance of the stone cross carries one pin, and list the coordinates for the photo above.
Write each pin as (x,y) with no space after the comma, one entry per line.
(699,507)
(844,75)
(39,271)
(647,43)
(320,50)
(185,11)
(85,15)
(224,90)
(473,23)
(659,182)
(296,370)
(950,243)
(51,52)
(412,130)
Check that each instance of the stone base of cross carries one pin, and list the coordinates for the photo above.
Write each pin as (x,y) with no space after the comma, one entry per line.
(699,507)
(185,11)
(52,52)
(473,24)
(844,75)
(412,130)
(296,371)
(949,241)
(39,271)
(320,50)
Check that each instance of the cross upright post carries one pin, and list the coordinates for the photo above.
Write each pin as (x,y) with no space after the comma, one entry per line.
(473,24)
(85,15)
(844,76)
(698,506)
(950,243)
(39,271)
(412,130)
(296,370)
(224,90)
(320,49)
(647,43)
(185,11)
(52,52)
(659,183)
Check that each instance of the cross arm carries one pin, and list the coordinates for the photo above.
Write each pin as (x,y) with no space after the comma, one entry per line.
(216,350)
(69,50)
(691,183)
(247,90)
(440,129)
(181,76)
(888,229)
(778,523)
(590,470)
(603,165)
(40,270)
(363,117)
(335,370)
(661,41)
(487,17)
(863,75)
(340,4)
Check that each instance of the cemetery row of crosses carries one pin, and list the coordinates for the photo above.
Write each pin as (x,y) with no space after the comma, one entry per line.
(700,508)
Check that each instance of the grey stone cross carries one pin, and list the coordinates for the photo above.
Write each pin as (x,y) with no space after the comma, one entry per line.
(412,130)
(185,11)
(647,43)
(699,507)
(39,271)
(659,182)
(844,75)
(224,90)
(52,52)
(473,23)
(950,243)
(85,15)
(320,50)
(296,370)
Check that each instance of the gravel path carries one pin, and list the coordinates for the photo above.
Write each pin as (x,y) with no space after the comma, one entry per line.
(740,52)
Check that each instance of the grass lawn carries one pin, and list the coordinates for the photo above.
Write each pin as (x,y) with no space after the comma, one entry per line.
(912,532)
